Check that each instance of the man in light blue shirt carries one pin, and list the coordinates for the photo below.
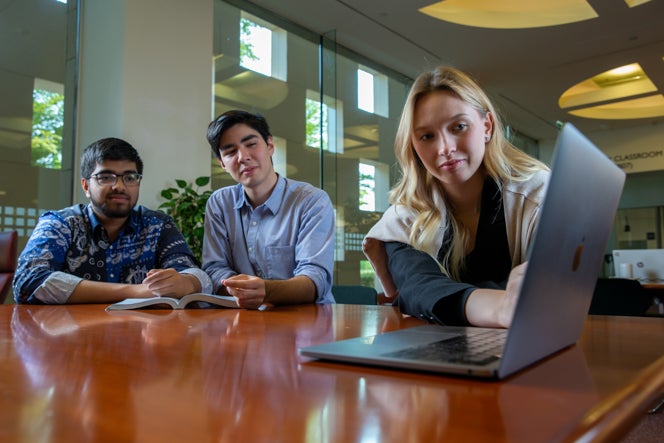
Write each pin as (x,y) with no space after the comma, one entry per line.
(268,239)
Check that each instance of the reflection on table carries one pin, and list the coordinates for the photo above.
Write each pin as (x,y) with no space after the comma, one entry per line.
(78,373)
(657,290)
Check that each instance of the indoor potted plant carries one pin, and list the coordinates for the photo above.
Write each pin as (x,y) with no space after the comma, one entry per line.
(186,204)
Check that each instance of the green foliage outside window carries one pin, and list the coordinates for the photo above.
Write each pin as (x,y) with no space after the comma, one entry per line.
(47,123)
(367,274)
(367,185)
(316,124)
(246,48)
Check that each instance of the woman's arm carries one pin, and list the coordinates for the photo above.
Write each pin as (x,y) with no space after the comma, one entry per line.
(424,291)
(495,308)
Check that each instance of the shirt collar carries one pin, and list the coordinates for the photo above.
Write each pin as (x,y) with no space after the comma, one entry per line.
(272,203)
(130,226)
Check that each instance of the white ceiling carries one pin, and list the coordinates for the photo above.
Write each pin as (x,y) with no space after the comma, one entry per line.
(524,70)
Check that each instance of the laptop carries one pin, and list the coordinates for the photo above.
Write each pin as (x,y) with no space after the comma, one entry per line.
(645,265)
(564,262)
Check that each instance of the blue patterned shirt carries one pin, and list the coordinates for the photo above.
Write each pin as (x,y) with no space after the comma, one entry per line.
(289,235)
(70,245)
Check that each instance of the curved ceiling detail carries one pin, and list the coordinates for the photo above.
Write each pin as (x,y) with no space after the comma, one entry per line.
(646,107)
(621,93)
(516,14)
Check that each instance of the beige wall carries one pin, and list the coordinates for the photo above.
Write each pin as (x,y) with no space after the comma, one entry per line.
(145,76)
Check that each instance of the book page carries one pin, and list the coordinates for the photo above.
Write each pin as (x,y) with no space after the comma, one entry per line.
(218,300)
(135,303)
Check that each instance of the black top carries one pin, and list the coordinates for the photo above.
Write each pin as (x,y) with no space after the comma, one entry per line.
(425,292)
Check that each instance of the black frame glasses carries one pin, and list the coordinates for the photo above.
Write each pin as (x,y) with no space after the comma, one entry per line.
(111,178)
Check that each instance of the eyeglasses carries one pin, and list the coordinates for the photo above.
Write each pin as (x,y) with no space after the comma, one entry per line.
(110,179)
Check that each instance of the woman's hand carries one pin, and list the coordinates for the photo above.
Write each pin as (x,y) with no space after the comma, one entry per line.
(492,308)
(505,309)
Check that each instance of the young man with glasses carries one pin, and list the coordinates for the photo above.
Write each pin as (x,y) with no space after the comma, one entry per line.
(109,249)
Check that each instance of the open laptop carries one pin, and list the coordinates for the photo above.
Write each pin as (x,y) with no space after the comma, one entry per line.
(646,265)
(563,264)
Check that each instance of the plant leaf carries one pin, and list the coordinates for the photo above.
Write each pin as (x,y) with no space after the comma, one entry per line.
(202,181)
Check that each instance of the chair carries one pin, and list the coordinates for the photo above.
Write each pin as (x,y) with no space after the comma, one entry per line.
(354,295)
(620,296)
(8,249)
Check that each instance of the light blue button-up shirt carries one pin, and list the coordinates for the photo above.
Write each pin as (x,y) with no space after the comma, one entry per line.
(291,234)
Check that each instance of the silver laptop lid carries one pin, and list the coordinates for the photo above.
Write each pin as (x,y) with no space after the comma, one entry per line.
(566,253)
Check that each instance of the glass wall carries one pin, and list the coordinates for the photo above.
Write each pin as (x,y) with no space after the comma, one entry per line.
(37,73)
(333,115)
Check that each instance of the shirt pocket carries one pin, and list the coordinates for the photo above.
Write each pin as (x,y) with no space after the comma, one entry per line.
(280,262)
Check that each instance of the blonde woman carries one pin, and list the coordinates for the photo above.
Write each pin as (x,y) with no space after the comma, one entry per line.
(451,247)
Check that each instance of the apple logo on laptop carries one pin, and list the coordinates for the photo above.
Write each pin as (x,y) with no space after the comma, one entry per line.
(577,257)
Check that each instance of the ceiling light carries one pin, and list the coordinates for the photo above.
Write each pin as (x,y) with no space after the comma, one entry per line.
(606,87)
(622,74)
(634,3)
(624,92)
(515,14)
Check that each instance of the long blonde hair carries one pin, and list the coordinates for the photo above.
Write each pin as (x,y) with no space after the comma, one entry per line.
(422,193)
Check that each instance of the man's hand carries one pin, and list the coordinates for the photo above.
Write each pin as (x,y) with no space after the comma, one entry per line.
(170,283)
(249,291)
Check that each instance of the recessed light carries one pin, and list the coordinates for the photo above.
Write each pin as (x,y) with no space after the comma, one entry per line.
(622,74)
(621,93)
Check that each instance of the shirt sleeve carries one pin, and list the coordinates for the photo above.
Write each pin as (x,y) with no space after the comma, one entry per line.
(217,261)
(38,277)
(314,251)
(203,278)
(173,252)
(424,291)
(57,288)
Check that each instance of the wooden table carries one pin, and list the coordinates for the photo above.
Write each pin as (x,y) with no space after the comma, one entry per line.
(77,373)
(653,286)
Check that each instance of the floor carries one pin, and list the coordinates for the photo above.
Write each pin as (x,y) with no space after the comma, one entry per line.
(649,430)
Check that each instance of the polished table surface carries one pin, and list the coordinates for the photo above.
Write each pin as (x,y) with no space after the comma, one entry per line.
(653,285)
(78,373)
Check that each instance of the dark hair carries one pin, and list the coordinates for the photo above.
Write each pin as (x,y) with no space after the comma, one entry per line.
(108,149)
(227,120)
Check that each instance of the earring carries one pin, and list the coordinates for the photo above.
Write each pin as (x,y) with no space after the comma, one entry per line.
(488,138)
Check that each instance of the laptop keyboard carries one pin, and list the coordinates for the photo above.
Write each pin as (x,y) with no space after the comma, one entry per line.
(476,347)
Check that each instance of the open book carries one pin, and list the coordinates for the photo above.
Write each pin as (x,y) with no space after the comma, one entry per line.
(223,301)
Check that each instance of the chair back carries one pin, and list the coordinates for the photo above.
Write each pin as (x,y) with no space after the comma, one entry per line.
(354,294)
(620,296)
(8,251)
